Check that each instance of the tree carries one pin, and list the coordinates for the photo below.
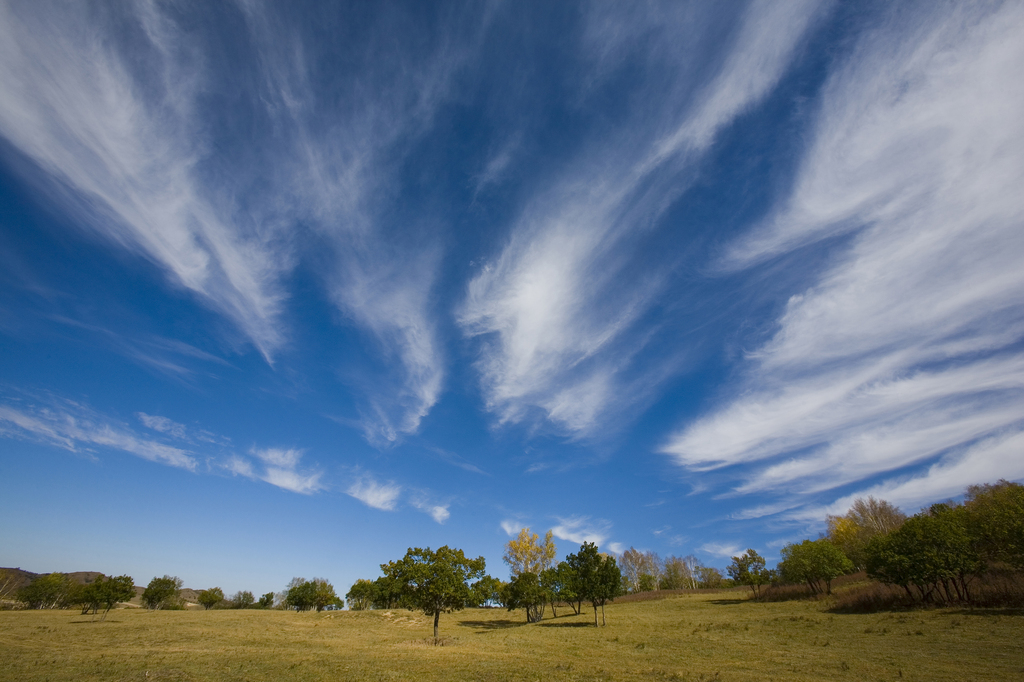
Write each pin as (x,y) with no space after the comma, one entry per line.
(387,593)
(562,582)
(211,597)
(525,591)
(526,554)
(865,519)
(243,600)
(303,595)
(680,573)
(814,562)
(709,577)
(361,595)
(266,601)
(163,593)
(106,593)
(322,594)
(434,582)
(641,571)
(931,552)
(994,516)
(50,591)
(594,575)
(485,590)
(749,569)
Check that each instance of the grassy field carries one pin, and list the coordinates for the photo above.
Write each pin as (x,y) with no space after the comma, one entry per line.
(692,637)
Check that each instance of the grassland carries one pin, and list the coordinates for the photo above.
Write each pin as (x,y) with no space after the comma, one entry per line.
(692,637)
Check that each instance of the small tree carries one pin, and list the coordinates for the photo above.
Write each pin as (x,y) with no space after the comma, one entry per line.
(211,597)
(163,593)
(322,594)
(749,569)
(485,590)
(50,591)
(243,600)
(106,593)
(435,582)
(266,601)
(596,577)
(709,577)
(361,595)
(814,562)
(525,591)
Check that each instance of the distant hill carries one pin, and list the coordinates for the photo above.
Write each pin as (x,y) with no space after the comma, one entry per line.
(21,578)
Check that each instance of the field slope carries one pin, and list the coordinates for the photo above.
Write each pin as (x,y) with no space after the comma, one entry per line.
(692,637)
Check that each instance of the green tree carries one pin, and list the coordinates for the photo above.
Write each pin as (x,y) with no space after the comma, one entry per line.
(211,597)
(749,569)
(106,593)
(994,517)
(322,594)
(485,590)
(525,591)
(163,593)
(596,577)
(361,595)
(299,594)
(814,562)
(679,573)
(931,552)
(266,601)
(243,600)
(709,577)
(50,591)
(387,593)
(435,582)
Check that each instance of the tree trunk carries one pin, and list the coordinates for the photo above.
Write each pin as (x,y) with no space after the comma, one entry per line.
(603,621)
(437,617)
(595,615)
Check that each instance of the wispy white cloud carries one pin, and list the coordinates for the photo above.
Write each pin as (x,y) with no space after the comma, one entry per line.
(720,549)
(580,529)
(437,511)
(616,547)
(382,496)
(905,349)
(163,425)
(127,153)
(278,467)
(557,327)
(74,427)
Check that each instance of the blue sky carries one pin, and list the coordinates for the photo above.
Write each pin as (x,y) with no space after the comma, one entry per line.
(288,288)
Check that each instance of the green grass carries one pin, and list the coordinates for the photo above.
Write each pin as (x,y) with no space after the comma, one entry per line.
(691,637)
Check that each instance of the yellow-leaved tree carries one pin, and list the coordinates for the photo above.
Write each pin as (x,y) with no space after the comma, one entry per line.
(527,554)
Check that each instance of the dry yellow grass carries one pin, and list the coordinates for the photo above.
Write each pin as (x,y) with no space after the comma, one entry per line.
(691,637)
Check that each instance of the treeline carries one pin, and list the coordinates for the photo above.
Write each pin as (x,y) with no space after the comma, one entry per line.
(646,572)
(445,580)
(948,553)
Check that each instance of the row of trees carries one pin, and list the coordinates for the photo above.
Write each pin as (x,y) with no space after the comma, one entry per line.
(57,590)
(646,571)
(445,580)
(936,555)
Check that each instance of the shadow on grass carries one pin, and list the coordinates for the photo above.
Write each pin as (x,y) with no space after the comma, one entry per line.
(93,622)
(996,611)
(728,602)
(491,624)
(564,625)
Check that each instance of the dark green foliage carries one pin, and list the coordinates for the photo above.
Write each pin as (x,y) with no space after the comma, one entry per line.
(931,552)
(525,591)
(485,590)
(305,595)
(814,562)
(243,600)
(106,593)
(594,577)
(266,601)
(361,595)
(749,569)
(387,593)
(994,515)
(163,593)
(50,591)
(211,597)
(434,582)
